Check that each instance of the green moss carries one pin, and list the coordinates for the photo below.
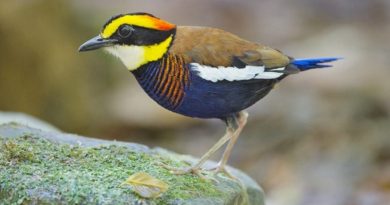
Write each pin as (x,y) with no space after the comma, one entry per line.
(15,152)
(35,170)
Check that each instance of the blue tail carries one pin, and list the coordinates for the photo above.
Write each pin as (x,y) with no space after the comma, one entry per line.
(311,63)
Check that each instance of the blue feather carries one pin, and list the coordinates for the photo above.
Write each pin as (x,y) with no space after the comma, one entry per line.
(311,63)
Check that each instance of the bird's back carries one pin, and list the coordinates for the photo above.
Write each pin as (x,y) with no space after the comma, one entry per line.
(218,48)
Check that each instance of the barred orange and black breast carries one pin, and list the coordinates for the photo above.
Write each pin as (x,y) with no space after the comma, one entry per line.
(165,80)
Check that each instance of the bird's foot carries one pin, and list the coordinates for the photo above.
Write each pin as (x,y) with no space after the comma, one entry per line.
(222,169)
(186,170)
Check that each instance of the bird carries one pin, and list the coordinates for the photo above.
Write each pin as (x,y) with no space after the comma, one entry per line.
(199,72)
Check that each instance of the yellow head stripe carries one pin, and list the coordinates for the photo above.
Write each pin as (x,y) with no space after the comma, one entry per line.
(145,21)
(157,51)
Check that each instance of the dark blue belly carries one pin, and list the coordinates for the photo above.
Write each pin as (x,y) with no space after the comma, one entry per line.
(206,99)
(178,88)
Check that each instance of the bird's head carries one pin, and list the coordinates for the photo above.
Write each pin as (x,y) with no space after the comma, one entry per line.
(136,38)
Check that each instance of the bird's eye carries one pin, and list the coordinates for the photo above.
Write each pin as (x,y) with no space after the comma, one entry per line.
(125,31)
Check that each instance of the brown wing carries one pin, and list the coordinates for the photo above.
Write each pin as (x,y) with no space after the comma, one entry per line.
(215,47)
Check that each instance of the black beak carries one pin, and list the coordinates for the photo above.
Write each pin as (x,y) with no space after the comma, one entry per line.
(95,43)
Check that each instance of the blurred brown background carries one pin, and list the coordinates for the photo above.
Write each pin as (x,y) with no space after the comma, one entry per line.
(321,137)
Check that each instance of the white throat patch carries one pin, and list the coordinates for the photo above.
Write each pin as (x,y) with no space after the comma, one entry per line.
(131,56)
(235,74)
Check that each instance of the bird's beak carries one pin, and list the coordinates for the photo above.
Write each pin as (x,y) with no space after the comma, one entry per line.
(95,43)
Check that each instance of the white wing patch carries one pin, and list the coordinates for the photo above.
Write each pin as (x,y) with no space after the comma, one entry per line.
(235,74)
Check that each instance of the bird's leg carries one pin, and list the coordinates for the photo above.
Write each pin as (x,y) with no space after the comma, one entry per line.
(229,133)
(238,122)
(235,124)
(197,167)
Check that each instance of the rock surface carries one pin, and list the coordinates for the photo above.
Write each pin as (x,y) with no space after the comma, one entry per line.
(28,120)
(49,167)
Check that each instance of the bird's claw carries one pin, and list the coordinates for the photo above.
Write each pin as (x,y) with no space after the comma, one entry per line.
(187,170)
(222,169)
(199,171)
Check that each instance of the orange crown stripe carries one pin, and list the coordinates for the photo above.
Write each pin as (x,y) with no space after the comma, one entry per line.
(145,21)
(163,25)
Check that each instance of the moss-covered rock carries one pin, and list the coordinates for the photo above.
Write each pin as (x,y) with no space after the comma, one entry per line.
(40,167)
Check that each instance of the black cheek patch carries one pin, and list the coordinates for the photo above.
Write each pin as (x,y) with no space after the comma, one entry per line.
(144,36)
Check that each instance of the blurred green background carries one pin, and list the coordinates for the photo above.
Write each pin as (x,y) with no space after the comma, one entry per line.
(321,137)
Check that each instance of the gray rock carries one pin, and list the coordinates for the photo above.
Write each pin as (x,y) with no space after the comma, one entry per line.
(39,166)
(24,119)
